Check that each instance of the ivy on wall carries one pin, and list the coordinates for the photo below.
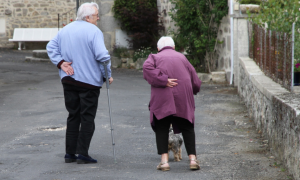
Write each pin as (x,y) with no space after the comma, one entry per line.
(198,23)
(139,18)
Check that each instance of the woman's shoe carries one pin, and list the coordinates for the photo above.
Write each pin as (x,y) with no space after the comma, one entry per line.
(159,167)
(195,166)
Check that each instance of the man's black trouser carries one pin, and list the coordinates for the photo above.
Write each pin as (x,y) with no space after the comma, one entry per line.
(81,103)
(162,134)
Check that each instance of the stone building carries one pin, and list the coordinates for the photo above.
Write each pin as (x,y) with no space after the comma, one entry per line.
(29,14)
(44,14)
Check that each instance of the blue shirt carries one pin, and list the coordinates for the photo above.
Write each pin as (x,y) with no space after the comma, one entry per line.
(81,43)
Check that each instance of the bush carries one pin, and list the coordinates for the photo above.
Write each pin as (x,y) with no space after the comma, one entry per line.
(139,18)
(198,22)
(142,53)
(250,2)
(120,51)
(280,16)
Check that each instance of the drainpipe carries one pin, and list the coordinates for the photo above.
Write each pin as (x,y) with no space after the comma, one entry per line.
(293,49)
(231,39)
(77,5)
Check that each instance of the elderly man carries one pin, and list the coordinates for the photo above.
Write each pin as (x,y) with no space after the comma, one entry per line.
(173,82)
(77,51)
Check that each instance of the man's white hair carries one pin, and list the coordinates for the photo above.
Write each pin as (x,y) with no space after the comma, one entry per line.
(86,9)
(165,41)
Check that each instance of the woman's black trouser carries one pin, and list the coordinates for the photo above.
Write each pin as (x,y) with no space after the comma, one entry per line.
(162,134)
(81,103)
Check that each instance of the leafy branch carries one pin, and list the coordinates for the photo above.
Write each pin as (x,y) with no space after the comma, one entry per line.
(197,24)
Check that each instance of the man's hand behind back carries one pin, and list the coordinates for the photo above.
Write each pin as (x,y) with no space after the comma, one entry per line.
(67,68)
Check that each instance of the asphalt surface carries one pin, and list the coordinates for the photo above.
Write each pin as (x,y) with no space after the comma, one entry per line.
(33,119)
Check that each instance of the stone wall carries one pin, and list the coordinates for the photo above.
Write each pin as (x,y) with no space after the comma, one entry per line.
(43,14)
(223,46)
(240,42)
(164,7)
(275,112)
(30,14)
(108,24)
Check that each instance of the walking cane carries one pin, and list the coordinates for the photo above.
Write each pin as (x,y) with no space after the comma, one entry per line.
(111,123)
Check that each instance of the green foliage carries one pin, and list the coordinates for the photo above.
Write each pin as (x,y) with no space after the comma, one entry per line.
(142,53)
(250,2)
(120,52)
(139,18)
(279,15)
(297,44)
(198,22)
(296,65)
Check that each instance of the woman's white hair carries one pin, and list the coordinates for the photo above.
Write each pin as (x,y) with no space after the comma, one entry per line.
(165,41)
(86,9)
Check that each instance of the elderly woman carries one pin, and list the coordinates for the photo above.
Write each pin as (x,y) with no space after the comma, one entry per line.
(173,82)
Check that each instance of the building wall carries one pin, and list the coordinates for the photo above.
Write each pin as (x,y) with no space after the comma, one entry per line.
(44,14)
(29,14)
(223,47)
(108,24)
(164,8)
(240,42)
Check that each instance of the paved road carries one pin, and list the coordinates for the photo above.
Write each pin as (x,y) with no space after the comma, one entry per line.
(33,116)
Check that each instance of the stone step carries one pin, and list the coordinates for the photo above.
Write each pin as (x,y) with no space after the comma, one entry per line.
(216,77)
(205,77)
(40,54)
(34,59)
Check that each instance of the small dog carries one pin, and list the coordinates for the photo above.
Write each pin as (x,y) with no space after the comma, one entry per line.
(175,142)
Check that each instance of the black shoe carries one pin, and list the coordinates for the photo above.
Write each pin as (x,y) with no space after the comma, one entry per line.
(85,159)
(70,158)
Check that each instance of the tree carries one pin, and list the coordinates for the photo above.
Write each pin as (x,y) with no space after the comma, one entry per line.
(198,22)
(139,18)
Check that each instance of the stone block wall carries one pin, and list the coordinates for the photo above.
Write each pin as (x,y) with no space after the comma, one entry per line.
(108,24)
(43,14)
(275,111)
(164,7)
(223,46)
(30,14)
(240,42)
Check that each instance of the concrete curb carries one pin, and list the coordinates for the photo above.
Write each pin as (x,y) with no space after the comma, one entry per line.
(33,59)
(213,77)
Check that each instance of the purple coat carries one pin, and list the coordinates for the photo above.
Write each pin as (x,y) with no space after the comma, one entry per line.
(178,100)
